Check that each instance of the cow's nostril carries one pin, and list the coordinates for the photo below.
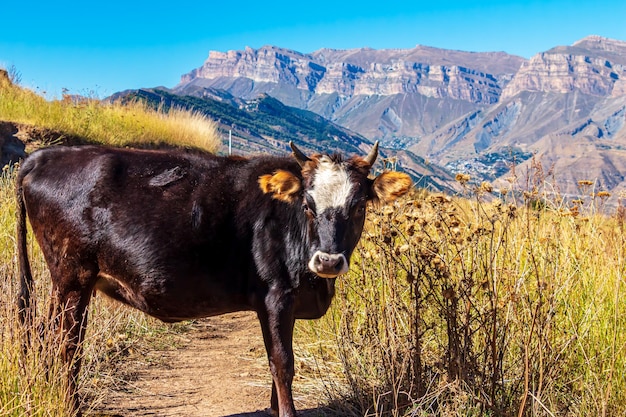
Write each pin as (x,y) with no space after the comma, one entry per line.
(330,262)
(328,265)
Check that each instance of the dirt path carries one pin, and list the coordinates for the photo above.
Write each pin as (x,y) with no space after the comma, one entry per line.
(221,370)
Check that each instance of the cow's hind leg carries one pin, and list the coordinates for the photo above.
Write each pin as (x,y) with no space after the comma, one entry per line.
(72,289)
(277,322)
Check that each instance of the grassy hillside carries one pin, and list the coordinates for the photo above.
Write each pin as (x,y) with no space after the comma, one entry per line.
(265,121)
(90,120)
(33,384)
(265,125)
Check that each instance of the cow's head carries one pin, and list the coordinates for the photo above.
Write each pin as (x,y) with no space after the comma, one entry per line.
(333,194)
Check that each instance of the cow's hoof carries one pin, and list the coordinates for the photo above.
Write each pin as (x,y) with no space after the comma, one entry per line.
(271,412)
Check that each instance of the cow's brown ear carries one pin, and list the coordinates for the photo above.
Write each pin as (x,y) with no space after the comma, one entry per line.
(390,185)
(283,185)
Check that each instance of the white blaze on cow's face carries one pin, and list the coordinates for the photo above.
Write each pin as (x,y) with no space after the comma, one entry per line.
(329,197)
(331,186)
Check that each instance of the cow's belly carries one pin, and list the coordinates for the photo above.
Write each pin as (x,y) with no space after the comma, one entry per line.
(172,303)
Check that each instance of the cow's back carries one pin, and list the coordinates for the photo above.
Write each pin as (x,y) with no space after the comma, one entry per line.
(157,226)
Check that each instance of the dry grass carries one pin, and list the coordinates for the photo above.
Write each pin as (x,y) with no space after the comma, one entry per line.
(510,306)
(31,384)
(107,123)
(507,305)
(34,383)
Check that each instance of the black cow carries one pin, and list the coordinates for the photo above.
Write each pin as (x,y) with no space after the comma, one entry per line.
(185,234)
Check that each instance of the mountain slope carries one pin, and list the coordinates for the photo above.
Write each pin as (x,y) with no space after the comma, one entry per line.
(567,106)
(471,112)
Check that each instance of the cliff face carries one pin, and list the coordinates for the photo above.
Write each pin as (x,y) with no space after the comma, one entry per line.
(360,72)
(566,106)
(593,65)
(568,91)
(386,87)
(402,77)
(269,65)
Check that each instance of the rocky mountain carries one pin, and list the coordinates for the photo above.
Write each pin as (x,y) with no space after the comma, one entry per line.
(593,66)
(567,106)
(394,95)
(476,112)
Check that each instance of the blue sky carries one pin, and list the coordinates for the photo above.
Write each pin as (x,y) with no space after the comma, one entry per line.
(101,47)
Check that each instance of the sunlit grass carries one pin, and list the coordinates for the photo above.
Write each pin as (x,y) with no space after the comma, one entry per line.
(480,307)
(114,124)
(33,381)
(32,384)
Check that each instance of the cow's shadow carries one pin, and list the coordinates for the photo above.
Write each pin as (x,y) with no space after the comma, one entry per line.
(311,412)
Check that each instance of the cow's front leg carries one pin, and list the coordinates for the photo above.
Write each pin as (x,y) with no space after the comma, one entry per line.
(277,321)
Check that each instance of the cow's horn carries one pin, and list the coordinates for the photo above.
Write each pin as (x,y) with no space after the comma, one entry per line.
(371,157)
(298,154)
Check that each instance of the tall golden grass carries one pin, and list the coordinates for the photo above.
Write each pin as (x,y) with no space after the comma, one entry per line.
(31,384)
(113,124)
(507,306)
(33,381)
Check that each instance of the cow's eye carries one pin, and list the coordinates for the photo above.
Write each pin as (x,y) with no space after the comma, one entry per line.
(360,209)
(307,209)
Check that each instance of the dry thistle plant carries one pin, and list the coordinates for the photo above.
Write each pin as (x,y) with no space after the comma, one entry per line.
(485,306)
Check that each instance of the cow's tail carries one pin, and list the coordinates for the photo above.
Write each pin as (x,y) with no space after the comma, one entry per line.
(26,276)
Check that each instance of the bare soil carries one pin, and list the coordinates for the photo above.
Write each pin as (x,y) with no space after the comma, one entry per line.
(220,370)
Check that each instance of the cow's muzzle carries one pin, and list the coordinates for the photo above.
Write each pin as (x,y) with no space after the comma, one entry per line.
(328,265)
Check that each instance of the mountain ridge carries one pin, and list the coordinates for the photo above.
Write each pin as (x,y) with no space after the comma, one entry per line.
(341,85)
